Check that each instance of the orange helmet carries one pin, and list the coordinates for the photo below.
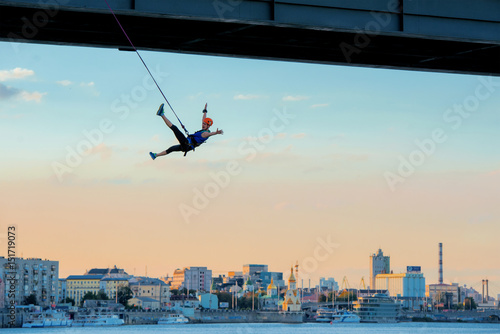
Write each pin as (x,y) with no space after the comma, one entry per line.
(208,121)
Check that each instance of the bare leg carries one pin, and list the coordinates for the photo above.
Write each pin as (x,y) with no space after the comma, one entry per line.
(169,124)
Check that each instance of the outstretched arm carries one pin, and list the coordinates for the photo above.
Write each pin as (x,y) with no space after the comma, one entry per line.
(210,134)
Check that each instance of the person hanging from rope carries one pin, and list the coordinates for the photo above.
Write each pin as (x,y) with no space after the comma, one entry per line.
(190,142)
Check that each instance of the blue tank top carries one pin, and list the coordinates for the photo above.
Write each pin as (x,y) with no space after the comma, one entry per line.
(198,138)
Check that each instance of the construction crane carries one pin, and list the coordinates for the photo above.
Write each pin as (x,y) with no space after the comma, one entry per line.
(362,283)
(345,284)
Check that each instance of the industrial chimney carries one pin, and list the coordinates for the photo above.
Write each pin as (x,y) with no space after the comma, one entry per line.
(440,263)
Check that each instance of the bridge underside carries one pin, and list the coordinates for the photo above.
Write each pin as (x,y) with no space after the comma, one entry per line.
(247,39)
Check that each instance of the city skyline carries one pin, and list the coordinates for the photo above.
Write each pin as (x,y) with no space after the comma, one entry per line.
(356,158)
(495,288)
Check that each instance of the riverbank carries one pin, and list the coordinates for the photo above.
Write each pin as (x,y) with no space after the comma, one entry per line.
(219,316)
(230,316)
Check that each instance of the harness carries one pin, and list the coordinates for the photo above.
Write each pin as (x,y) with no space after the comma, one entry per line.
(192,141)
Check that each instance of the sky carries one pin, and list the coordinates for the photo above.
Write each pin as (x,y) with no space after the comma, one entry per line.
(318,164)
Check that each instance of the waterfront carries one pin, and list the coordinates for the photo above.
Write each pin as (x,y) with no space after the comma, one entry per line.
(362,328)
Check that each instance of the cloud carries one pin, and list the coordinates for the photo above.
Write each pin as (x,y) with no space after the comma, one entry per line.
(247,97)
(349,157)
(320,105)
(17,73)
(90,86)
(299,135)
(64,82)
(295,98)
(103,150)
(281,135)
(8,92)
(118,180)
(281,206)
(495,172)
(35,96)
(195,96)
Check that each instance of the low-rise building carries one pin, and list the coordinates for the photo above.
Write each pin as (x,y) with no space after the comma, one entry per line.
(152,288)
(209,301)
(270,301)
(111,285)
(292,301)
(146,303)
(178,303)
(443,295)
(78,285)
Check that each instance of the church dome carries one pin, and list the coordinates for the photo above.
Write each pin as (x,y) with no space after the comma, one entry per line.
(271,286)
(292,278)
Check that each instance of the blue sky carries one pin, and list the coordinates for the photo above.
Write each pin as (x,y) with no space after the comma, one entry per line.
(322,171)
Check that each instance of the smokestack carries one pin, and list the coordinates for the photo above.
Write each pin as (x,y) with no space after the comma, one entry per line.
(487,293)
(440,263)
(482,299)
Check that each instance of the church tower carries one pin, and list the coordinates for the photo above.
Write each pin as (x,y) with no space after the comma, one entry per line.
(292,299)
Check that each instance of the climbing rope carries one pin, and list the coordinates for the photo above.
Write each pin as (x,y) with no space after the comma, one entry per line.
(146,66)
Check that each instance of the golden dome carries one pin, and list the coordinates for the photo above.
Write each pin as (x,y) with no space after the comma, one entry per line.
(292,278)
(271,286)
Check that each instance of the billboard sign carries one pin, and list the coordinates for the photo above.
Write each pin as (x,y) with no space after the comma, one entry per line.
(413,269)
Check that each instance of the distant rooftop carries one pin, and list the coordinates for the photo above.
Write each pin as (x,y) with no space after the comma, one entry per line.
(75,277)
(106,271)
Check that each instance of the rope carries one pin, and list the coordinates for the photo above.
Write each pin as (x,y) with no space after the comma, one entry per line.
(146,66)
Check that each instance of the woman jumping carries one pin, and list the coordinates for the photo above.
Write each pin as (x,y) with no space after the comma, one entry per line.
(187,143)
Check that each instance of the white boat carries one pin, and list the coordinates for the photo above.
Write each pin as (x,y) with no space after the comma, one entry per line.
(336,316)
(345,317)
(173,319)
(47,319)
(377,308)
(97,320)
(324,315)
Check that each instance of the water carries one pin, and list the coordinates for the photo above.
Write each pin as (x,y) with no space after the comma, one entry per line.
(403,328)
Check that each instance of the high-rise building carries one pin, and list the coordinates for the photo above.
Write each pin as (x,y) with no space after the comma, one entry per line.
(32,277)
(2,288)
(266,277)
(329,283)
(192,278)
(379,264)
(253,269)
(408,288)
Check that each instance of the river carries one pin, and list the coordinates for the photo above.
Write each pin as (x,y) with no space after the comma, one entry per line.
(306,328)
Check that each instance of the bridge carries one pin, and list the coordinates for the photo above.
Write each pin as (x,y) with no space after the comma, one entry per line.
(458,36)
